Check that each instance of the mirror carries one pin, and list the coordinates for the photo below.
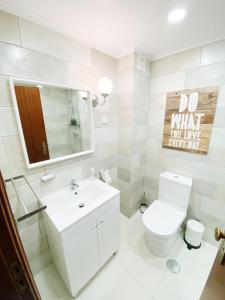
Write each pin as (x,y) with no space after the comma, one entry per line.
(55,122)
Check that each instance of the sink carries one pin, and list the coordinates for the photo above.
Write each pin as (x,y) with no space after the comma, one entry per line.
(65,208)
(82,229)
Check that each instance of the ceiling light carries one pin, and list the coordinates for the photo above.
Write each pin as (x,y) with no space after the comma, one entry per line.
(176,15)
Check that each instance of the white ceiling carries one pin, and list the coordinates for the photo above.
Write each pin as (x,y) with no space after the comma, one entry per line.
(116,27)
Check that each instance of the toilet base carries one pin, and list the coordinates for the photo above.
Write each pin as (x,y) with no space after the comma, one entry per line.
(160,246)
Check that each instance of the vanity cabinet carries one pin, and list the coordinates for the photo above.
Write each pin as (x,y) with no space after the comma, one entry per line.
(81,249)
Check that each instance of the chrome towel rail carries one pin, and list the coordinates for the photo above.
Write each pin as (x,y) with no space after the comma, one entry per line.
(27,213)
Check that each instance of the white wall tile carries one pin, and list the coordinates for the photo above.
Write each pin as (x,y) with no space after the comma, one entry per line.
(221,98)
(218,138)
(5,96)
(7,121)
(31,64)
(205,76)
(104,135)
(213,208)
(177,62)
(167,83)
(13,148)
(3,157)
(213,53)
(103,62)
(9,29)
(36,37)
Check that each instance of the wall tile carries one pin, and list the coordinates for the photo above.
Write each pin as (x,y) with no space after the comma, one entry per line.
(103,62)
(218,157)
(177,62)
(156,117)
(13,148)
(168,83)
(201,171)
(124,118)
(9,29)
(36,37)
(218,138)
(213,208)
(5,96)
(30,64)
(7,121)
(213,53)
(219,120)
(205,76)
(3,157)
(221,98)
(104,135)
(125,64)
(104,118)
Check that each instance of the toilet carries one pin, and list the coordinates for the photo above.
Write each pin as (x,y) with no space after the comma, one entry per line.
(164,216)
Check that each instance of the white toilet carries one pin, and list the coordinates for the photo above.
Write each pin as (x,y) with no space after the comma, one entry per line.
(164,217)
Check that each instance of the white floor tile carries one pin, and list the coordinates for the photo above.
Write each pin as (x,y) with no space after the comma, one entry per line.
(190,281)
(114,283)
(136,274)
(136,258)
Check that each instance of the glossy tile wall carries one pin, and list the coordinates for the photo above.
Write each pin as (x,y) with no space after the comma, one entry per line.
(133,94)
(199,67)
(30,51)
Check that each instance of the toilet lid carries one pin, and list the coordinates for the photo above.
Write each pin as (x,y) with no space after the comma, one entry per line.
(162,219)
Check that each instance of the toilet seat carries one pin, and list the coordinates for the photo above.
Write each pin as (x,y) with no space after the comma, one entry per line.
(162,220)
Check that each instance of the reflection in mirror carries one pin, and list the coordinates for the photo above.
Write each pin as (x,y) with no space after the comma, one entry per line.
(56,122)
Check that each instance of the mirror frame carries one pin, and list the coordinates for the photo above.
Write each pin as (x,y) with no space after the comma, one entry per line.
(29,165)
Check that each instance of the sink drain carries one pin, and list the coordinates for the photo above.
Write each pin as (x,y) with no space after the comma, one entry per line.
(81,205)
(173,266)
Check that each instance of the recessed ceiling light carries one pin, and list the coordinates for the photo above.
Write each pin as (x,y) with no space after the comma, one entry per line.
(176,15)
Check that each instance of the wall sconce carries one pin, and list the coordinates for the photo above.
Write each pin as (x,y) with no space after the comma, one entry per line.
(84,95)
(105,87)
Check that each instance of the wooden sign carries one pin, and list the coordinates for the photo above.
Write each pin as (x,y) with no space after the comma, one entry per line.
(189,118)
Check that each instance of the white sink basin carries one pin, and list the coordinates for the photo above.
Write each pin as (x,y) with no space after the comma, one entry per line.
(65,208)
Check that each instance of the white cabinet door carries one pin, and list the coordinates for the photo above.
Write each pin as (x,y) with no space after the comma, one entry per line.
(81,252)
(108,229)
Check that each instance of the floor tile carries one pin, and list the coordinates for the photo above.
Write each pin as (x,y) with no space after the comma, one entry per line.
(190,281)
(136,274)
(114,283)
(136,258)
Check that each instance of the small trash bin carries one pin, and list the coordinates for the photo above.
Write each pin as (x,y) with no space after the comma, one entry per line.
(194,233)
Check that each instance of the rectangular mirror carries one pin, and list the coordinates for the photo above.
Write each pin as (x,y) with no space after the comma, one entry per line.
(55,122)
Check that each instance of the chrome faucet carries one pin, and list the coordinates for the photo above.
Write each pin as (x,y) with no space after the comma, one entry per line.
(74,185)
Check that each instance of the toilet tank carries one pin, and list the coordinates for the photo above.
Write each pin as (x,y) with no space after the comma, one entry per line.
(175,190)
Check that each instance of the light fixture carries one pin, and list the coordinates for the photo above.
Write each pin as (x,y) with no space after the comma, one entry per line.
(105,87)
(176,15)
(83,95)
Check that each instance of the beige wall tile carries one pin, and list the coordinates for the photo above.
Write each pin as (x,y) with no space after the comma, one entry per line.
(172,82)
(177,62)
(36,37)
(103,62)
(205,76)
(9,29)
(213,53)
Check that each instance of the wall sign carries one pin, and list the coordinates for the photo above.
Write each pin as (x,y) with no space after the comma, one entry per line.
(189,118)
